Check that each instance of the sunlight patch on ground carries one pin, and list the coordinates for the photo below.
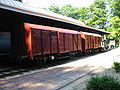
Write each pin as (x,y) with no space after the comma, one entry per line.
(70,69)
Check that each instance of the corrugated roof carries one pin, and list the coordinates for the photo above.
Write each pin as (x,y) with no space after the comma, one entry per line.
(91,34)
(22,8)
(51,28)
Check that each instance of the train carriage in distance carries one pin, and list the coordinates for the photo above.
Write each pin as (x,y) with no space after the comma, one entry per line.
(91,42)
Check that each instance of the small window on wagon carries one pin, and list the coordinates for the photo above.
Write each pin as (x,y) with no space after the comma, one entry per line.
(53,33)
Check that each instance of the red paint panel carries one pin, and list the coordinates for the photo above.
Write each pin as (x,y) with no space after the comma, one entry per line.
(89,41)
(28,40)
(75,41)
(54,42)
(83,42)
(61,43)
(45,42)
(70,42)
(79,42)
(100,40)
(86,42)
(92,42)
(95,42)
(66,42)
(36,41)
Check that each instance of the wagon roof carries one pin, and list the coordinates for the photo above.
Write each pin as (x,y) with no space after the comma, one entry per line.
(86,33)
(22,8)
(51,28)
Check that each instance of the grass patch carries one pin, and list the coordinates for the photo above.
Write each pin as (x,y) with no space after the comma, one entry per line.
(116,66)
(103,82)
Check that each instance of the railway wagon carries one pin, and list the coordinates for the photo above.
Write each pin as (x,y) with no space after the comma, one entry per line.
(41,43)
(25,40)
(90,42)
(97,41)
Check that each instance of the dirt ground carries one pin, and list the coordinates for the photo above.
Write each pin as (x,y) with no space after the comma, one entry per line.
(81,85)
(69,76)
(107,70)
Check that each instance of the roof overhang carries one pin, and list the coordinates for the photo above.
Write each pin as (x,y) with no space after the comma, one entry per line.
(70,23)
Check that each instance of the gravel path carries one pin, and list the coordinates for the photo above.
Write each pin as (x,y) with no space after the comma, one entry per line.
(105,69)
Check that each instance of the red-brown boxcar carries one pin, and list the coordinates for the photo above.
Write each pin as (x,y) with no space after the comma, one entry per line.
(97,41)
(90,42)
(50,41)
(86,41)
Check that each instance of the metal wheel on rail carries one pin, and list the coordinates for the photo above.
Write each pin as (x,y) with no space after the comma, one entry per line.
(40,61)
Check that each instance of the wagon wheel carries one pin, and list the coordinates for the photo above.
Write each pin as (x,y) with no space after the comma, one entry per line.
(38,61)
(23,62)
(71,56)
(18,61)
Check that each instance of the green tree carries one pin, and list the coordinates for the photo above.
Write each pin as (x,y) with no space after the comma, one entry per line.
(54,8)
(114,28)
(69,11)
(66,10)
(114,20)
(83,14)
(97,15)
(115,7)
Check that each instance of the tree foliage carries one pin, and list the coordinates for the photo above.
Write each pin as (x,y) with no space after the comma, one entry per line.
(54,8)
(94,16)
(83,14)
(97,14)
(115,7)
(102,14)
(69,11)
(114,28)
(114,20)
(66,10)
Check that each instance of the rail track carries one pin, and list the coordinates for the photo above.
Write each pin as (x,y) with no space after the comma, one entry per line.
(79,78)
(11,71)
(7,72)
